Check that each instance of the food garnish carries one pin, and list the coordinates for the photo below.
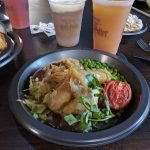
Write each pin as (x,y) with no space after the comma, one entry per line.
(3,43)
(79,93)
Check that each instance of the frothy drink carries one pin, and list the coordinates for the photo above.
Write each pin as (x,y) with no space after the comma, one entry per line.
(109,18)
(18,12)
(67,17)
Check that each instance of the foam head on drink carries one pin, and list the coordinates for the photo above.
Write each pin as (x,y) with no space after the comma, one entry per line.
(109,17)
(67,17)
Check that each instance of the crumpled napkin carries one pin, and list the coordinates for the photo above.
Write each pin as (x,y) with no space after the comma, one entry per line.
(48,29)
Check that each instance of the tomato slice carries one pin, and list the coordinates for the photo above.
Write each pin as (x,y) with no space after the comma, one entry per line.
(119,94)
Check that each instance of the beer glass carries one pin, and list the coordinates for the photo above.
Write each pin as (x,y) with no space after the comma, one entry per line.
(67,17)
(109,19)
(18,12)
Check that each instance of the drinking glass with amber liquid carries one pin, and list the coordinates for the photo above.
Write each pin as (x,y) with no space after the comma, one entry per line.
(109,19)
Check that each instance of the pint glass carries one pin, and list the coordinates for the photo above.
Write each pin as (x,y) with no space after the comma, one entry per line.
(109,19)
(67,17)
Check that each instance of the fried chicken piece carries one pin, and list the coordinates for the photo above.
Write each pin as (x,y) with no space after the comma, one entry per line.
(59,97)
(3,43)
(65,99)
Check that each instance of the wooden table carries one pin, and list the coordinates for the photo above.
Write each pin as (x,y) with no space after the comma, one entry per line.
(12,134)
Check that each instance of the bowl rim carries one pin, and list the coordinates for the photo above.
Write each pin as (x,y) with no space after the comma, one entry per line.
(57,136)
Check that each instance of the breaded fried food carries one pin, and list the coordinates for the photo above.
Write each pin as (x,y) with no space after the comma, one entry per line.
(3,43)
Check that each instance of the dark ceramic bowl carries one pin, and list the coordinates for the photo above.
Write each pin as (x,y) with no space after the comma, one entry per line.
(136,111)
